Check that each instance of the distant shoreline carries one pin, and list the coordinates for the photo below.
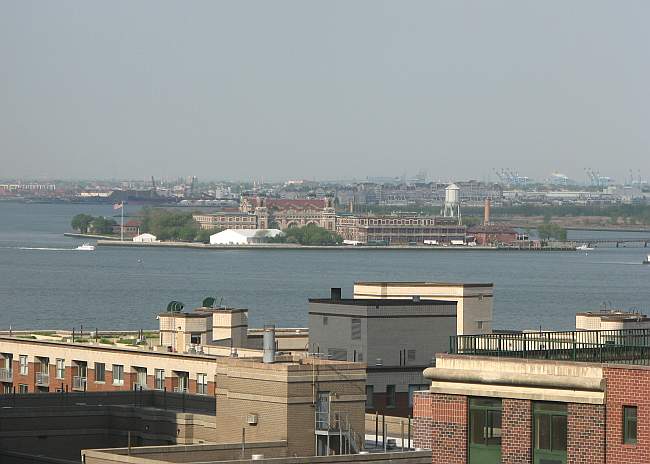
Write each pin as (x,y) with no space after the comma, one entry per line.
(284,246)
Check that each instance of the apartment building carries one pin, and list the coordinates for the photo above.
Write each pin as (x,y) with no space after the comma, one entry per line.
(538,398)
(28,366)
(399,229)
(474,301)
(396,338)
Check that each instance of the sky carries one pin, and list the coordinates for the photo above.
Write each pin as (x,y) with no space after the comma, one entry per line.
(272,90)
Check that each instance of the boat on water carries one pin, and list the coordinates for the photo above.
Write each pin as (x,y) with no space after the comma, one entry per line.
(646,260)
(86,247)
(584,247)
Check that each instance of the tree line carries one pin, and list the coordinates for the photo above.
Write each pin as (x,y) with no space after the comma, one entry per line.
(85,223)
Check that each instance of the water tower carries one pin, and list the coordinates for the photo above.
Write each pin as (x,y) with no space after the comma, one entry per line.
(452,202)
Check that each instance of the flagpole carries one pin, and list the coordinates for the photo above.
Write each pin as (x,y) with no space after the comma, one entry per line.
(122,226)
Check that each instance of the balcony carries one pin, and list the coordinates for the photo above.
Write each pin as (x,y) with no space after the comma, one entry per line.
(140,386)
(6,375)
(79,383)
(180,389)
(42,379)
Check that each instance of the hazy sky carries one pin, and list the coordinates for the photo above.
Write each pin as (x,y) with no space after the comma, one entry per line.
(329,89)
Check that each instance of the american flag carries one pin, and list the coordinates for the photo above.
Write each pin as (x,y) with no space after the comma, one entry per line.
(119,205)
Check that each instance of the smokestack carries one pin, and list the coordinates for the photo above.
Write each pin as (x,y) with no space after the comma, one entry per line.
(335,293)
(486,213)
(269,344)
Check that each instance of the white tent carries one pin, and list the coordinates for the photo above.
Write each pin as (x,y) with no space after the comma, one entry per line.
(243,236)
(145,238)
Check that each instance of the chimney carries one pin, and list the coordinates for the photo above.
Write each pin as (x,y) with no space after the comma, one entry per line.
(486,213)
(269,344)
(335,293)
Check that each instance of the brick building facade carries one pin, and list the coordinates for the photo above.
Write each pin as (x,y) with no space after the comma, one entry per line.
(545,412)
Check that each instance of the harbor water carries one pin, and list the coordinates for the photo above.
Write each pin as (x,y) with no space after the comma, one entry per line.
(45,283)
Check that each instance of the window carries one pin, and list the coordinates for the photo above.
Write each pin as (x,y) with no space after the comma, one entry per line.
(370,393)
(356,329)
(159,377)
(22,388)
(118,374)
(629,424)
(24,368)
(202,384)
(325,320)
(195,339)
(550,432)
(60,368)
(484,430)
(410,355)
(390,396)
(337,354)
(100,372)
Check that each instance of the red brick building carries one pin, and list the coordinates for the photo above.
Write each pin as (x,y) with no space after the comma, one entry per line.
(504,410)
(492,234)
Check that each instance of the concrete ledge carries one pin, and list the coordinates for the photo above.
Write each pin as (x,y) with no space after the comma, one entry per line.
(521,393)
(515,379)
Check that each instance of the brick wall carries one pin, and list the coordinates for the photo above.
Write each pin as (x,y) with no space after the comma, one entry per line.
(516,422)
(586,434)
(627,386)
(440,424)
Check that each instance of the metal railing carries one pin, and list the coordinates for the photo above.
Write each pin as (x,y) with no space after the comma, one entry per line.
(42,379)
(180,389)
(140,386)
(338,424)
(79,383)
(6,375)
(627,346)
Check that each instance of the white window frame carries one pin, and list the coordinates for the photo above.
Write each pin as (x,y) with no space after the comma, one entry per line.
(24,364)
(202,384)
(118,379)
(159,379)
(60,369)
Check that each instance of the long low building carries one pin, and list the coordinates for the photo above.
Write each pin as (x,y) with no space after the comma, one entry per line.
(399,229)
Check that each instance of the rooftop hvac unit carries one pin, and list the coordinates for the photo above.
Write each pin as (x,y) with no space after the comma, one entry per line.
(251,419)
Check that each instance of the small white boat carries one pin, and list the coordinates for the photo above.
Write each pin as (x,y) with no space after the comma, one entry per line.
(86,247)
(584,247)
(646,260)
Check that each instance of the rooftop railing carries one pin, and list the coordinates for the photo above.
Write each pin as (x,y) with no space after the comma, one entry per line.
(625,346)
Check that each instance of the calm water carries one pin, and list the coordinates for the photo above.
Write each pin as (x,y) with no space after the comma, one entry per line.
(126,288)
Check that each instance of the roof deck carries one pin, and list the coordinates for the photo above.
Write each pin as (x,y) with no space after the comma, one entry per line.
(625,346)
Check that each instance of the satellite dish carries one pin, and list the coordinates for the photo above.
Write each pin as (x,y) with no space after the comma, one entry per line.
(175,306)
(208,302)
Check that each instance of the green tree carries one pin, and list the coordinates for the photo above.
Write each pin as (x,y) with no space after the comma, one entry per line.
(81,222)
(169,225)
(102,225)
(551,231)
(310,234)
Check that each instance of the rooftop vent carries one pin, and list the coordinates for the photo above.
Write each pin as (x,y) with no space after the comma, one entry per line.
(335,293)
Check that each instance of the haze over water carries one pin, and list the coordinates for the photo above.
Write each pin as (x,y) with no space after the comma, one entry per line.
(125,288)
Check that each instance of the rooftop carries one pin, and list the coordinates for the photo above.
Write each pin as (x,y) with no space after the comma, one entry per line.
(379,302)
(426,284)
(614,315)
(625,346)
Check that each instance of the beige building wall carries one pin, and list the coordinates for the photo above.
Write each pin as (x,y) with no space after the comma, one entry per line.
(474,301)
(281,398)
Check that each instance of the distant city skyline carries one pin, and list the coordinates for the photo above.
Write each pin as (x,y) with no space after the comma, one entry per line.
(323,90)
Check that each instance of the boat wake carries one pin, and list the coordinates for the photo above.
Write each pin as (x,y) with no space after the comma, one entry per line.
(43,248)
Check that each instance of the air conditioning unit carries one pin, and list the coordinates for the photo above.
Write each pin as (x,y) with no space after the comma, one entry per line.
(251,419)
